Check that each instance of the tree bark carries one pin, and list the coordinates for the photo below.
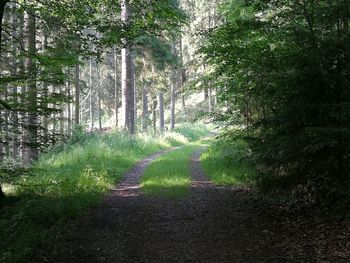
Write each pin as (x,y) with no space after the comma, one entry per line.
(91,102)
(182,77)
(32,124)
(173,100)
(161,111)
(61,115)
(144,109)
(99,111)
(2,11)
(154,114)
(116,87)
(77,94)
(133,102)
(45,106)
(127,76)
(14,116)
(6,112)
(69,109)
(173,93)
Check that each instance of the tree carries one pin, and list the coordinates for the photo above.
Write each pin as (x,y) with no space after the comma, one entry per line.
(127,74)
(31,152)
(289,89)
(173,91)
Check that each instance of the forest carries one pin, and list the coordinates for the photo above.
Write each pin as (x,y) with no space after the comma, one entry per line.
(129,127)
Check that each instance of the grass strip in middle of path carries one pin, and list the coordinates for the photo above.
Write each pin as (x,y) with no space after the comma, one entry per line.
(169,175)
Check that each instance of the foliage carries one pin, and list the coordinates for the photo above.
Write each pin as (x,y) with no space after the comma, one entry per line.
(282,66)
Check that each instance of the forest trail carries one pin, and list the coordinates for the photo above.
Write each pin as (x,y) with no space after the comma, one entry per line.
(211,224)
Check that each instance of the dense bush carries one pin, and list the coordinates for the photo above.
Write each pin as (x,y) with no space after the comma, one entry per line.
(283,70)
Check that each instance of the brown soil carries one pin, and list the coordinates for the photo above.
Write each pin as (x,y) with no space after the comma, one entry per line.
(212,224)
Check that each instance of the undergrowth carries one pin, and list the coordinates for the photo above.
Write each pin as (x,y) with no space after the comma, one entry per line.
(68,180)
(229,164)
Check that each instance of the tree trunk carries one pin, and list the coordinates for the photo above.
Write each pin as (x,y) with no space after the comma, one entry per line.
(22,90)
(91,104)
(77,94)
(69,109)
(173,93)
(133,102)
(154,114)
(2,11)
(116,87)
(99,111)
(161,111)
(144,109)
(210,100)
(14,116)
(172,100)
(182,77)
(32,124)
(61,115)
(4,95)
(127,76)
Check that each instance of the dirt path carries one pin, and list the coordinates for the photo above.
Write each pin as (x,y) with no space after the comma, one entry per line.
(213,224)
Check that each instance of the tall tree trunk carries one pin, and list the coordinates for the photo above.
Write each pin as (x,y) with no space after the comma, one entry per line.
(210,100)
(44,106)
(172,100)
(144,109)
(61,115)
(154,114)
(173,93)
(116,87)
(2,12)
(161,111)
(6,126)
(14,116)
(182,77)
(5,113)
(54,118)
(127,77)
(91,104)
(99,111)
(133,103)
(69,109)
(32,125)
(23,88)
(77,95)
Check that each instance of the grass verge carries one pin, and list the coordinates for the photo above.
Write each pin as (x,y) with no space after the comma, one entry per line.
(66,182)
(169,175)
(228,164)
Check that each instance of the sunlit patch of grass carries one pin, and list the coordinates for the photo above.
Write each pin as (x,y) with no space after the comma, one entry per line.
(169,175)
(228,164)
(193,131)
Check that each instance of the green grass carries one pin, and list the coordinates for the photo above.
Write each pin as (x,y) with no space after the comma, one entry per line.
(169,175)
(193,132)
(227,164)
(65,183)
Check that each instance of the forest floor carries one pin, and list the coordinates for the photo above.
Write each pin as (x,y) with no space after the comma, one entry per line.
(210,224)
